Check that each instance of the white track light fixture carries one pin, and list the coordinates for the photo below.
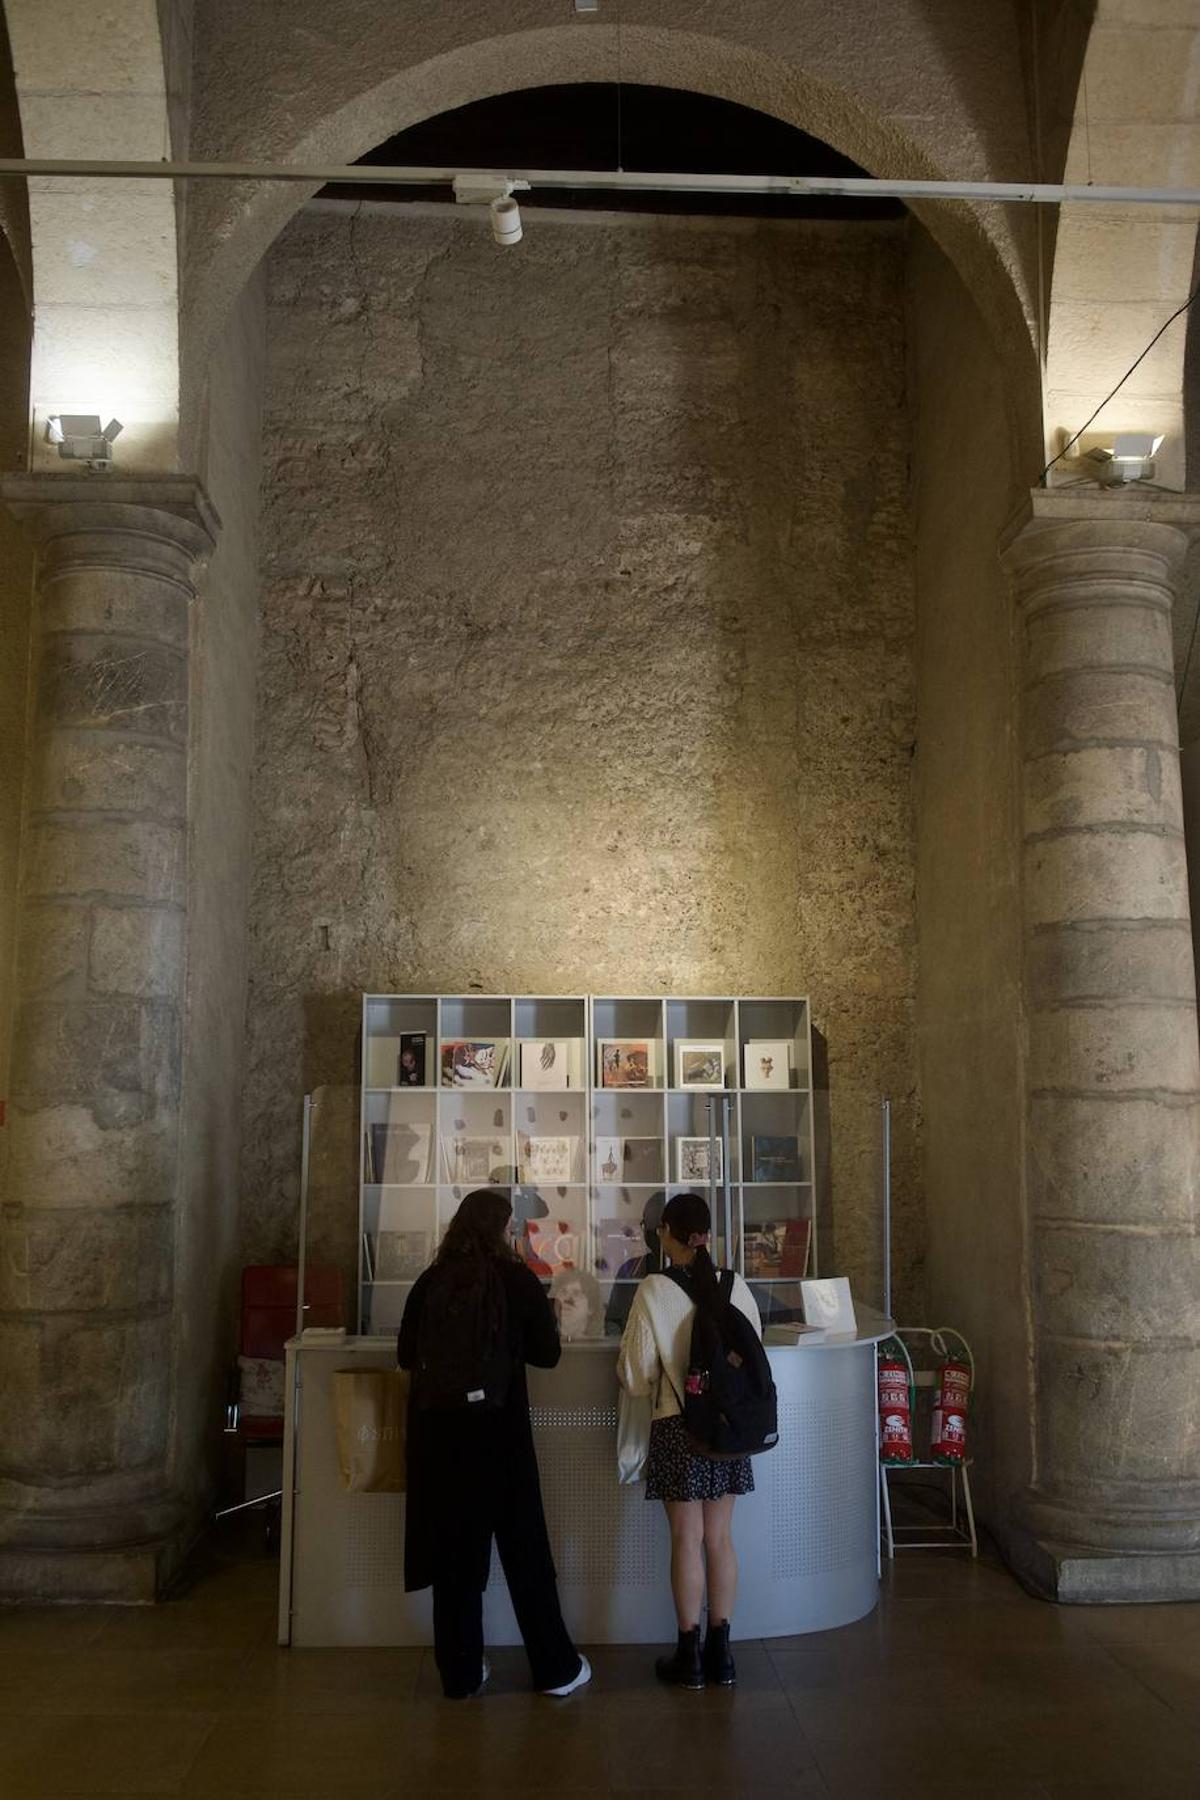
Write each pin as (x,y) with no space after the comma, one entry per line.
(506,221)
(495,192)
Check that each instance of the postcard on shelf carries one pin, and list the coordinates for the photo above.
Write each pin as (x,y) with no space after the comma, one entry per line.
(474,1062)
(775,1158)
(546,1160)
(606,1159)
(641,1160)
(398,1152)
(777,1249)
(545,1064)
(401,1255)
(828,1303)
(625,1062)
(699,1065)
(692,1159)
(477,1160)
(768,1063)
(382,1059)
(411,1064)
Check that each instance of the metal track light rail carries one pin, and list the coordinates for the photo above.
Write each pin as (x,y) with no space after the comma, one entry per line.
(793,187)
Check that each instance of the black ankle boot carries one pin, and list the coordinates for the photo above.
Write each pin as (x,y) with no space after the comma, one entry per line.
(719,1667)
(684,1669)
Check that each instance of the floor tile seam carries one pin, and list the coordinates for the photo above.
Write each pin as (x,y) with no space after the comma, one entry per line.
(1132,1669)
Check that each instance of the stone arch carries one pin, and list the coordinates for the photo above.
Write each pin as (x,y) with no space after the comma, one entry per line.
(990,249)
(1120,273)
(104,255)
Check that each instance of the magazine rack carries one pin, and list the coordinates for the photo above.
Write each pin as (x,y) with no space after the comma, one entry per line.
(924,1347)
(587,1110)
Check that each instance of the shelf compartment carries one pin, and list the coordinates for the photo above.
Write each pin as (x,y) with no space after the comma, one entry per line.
(702,1023)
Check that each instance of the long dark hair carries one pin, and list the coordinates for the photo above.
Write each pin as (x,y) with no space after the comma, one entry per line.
(688,1219)
(479,1228)
(475,1244)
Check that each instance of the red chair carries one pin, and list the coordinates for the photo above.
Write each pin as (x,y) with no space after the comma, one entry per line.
(255,1398)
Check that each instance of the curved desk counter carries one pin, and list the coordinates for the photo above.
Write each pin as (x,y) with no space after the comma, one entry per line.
(807,1538)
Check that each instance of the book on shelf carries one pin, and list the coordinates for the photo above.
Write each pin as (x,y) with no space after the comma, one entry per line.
(545,1064)
(777,1249)
(412,1061)
(775,1158)
(477,1160)
(401,1255)
(545,1160)
(399,1151)
(641,1160)
(474,1062)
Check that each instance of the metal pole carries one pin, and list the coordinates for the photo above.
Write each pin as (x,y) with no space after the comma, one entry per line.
(727,1183)
(304,1143)
(886,1108)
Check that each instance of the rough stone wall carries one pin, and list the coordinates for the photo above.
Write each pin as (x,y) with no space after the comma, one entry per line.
(16,586)
(223,653)
(587,654)
(967,870)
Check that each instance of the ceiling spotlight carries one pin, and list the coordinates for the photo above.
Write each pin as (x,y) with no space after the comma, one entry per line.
(495,192)
(506,221)
(1130,457)
(81,438)
(587,6)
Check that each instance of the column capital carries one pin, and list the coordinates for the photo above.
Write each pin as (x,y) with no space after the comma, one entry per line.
(53,505)
(1099,518)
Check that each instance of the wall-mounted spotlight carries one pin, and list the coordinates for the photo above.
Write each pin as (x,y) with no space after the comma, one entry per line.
(1129,457)
(495,192)
(81,438)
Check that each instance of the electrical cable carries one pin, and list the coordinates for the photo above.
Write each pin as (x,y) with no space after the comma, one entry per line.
(1041,480)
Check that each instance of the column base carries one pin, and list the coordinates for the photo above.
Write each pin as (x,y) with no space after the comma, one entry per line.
(1077,1577)
(135,1577)
(95,1555)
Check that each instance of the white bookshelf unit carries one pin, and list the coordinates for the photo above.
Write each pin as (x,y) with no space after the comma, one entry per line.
(582,1108)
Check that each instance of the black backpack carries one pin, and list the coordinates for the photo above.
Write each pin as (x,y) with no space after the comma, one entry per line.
(463,1354)
(728,1400)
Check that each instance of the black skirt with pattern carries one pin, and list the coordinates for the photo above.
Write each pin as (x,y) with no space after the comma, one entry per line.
(674,1471)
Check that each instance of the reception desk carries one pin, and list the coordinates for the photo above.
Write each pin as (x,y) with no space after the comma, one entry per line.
(807,1538)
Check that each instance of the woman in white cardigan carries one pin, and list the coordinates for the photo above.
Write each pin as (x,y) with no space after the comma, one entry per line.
(697,1491)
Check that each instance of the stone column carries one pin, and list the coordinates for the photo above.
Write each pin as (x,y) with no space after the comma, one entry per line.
(87,1231)
(1113,1063)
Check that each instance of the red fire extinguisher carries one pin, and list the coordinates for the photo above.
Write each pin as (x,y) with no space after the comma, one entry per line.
(895,1406)
(948,1433)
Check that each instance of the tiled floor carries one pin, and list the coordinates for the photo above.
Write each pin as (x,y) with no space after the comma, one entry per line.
(959,1685)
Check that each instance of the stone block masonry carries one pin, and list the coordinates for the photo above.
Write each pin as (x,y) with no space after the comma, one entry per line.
(1113,1063)
(87,1236)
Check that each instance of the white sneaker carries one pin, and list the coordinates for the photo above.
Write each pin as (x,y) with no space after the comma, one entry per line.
(584,1676)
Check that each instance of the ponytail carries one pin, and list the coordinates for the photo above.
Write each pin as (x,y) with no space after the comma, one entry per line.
(689,1221)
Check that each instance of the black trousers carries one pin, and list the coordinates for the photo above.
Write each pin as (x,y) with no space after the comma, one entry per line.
(532,1586)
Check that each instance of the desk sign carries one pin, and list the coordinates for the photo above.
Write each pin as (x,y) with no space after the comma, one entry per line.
(828,1304)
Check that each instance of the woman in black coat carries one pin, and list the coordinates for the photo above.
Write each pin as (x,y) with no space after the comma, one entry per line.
(472,1469)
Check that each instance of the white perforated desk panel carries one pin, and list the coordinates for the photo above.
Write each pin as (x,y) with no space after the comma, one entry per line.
(807,1538)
